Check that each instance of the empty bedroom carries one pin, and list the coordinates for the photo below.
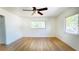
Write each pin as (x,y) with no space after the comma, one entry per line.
(39,28)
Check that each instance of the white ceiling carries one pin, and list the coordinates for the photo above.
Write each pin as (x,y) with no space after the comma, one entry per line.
(51,12)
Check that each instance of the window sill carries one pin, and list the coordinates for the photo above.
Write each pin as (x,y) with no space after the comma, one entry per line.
(72,33)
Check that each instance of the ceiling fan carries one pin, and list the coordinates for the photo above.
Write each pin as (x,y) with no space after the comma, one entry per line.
(34,9)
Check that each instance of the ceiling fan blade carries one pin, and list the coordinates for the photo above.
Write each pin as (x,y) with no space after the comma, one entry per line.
(27,10)
(40,13)
(42,9)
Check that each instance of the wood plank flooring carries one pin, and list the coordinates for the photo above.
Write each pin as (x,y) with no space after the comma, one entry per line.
(37,44)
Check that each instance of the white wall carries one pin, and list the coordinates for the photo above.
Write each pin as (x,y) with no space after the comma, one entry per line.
(13,32)
(28,31)
(12,24)
(72,40)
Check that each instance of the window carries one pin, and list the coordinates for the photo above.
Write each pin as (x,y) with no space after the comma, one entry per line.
(38,24)
(72,24)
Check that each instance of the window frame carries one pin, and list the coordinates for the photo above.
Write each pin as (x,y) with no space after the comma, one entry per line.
(78,25)
(38,21)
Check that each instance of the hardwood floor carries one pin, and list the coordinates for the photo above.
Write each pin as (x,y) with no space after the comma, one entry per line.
(3,47)
(37,44)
